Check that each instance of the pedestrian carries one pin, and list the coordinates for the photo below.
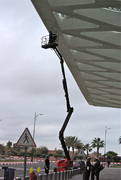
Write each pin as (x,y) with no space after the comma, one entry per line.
(47,164)
(95,169)
(88,164)
(97,164)
(108,162)
(33,176)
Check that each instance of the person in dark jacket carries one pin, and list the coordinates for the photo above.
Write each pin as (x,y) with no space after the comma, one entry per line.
(47,164)
(52,37)
(95,170)
(97,164)
(108,162)
(88,164)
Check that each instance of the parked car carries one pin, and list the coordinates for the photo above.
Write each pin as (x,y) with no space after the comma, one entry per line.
(79,164)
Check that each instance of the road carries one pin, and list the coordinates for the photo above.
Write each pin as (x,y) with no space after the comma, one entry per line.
(20,168)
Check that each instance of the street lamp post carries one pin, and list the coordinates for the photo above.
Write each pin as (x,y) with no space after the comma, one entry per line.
(35,118)
(105,138)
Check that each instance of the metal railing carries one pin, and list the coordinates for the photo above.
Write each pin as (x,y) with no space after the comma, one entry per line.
(45,40)
(63,175)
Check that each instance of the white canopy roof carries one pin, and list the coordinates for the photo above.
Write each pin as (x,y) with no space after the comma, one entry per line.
(90,42)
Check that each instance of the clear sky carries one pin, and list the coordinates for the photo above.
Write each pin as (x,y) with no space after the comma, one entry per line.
(31,81)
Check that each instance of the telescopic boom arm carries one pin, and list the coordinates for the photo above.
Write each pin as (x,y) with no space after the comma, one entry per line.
(64,78)
(69,109)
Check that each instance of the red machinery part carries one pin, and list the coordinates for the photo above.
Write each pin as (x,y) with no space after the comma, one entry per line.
(64,164)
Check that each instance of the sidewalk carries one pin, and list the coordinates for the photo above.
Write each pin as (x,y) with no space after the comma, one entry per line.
(105,174)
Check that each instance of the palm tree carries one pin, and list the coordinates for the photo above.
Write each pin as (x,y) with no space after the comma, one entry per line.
(119,140)
(9,144)
(88,148)
(2,149)
(79,146)
(72,141)
(97,142)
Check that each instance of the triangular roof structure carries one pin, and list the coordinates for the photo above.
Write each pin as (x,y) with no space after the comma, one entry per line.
(26,139)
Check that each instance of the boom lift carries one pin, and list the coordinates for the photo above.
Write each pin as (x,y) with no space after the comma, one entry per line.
(52,42)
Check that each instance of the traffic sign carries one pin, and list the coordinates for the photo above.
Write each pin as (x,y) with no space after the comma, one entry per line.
(26,139)
(81,153)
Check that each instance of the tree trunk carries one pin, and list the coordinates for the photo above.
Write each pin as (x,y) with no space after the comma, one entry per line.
(87,153)
(97,151)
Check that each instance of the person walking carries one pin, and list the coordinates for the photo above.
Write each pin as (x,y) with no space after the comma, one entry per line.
(108,162)
(47,164)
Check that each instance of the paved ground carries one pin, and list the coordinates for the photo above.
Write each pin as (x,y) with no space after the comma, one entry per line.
(19,168)
(105,174)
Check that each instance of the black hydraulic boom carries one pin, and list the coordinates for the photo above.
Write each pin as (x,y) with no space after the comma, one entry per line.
(69,109)
(64,78)
(53,46)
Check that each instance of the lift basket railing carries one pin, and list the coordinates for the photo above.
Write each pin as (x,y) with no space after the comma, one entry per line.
(46,43)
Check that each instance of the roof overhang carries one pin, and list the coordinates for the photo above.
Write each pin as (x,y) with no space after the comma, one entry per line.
(89,40)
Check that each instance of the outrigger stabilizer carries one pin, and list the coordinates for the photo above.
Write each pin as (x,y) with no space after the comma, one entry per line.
(52,42)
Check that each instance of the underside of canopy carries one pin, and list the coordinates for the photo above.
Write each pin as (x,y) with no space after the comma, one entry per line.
(90,41)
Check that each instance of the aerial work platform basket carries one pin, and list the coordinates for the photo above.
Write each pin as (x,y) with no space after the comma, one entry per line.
(49,41)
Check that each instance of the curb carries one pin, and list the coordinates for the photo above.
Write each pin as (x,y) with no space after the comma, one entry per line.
(12,163)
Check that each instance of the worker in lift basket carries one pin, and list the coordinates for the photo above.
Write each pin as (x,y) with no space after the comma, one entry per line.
(52,37)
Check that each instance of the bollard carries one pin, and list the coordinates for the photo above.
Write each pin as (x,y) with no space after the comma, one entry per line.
(65,175)
(51,176)
(70,174)
(55,176)
(4,171)
(62,175)
(86,173)
(58,175)
(46,176)
(40,177)
(26,178)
